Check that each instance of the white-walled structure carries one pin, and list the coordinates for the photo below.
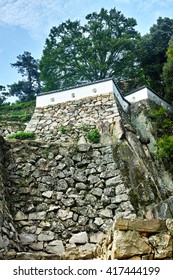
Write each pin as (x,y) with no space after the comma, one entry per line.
(98,88)
(82,91)
(75,93)
(145,93)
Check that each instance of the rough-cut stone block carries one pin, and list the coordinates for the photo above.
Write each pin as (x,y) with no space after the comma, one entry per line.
(96,237)
(169,225)
(106,213)
(79,238)
(84,147)
(64,214)
(2,244)
(20,216)
(38,246)
(46,236)
(26,238)
(55,247)
(141,225)
(37,215)
(47,194)
(113,181)
(127,244)
(162,244)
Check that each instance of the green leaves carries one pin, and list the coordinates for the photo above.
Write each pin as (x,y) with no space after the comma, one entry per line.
(165,147)
(168,73)
(28,67)
(152,54)
(103,47)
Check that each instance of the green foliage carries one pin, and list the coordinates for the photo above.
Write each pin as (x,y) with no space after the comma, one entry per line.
(104,47)
(153,53)
(27,66)
(21,112)
(162,121)
(165,147)
(168,73)
(85,127)
(94,136)
(22,135)
(64,129)
(163,127)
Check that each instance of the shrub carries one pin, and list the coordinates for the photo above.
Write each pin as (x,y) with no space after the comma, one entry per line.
(162,121)
(94,136)
(22,135)
(165,147)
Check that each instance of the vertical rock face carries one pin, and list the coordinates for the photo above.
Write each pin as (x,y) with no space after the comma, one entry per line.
(8,235)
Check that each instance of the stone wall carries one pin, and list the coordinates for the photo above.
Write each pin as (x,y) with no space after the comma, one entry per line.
(8,235)
(7,127)
(137,239)
(73,117)
(64,196)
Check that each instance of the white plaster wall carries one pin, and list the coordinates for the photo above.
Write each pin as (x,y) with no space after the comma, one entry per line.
(159,100)
(137,96)
(74,93)
(125,105)
(145,93)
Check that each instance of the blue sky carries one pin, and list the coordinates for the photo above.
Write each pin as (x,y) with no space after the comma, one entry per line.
(25,24)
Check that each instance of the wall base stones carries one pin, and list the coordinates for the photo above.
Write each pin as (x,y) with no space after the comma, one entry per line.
(138,240)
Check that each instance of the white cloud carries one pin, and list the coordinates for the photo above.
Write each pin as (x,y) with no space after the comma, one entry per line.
(38,16)
(146,4)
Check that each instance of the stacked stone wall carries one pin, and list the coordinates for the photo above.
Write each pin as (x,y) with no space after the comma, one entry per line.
(73,117)
(8,235)
(64,196)
(7,128)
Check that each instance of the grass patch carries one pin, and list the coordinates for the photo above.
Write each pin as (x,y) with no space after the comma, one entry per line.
(22,135)
(94,136)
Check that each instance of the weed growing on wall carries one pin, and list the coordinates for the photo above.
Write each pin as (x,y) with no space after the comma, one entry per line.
(64,129)
(94,136)
(85,127)
(22,135)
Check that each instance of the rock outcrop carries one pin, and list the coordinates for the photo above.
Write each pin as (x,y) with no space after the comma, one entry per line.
(138,240)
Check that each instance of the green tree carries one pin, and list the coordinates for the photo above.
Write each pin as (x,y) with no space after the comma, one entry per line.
(104,47)
(168,73)
(153,49)
(26,89)
(2,95)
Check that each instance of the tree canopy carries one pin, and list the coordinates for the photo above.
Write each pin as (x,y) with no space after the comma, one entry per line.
(107,45)
(168,73)
(2,94)
(28,67)
(153,47)
(104,47)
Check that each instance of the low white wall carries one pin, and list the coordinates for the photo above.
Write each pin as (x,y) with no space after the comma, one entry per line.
(137,96)
(145,93)
(71,94)
(125,105)
(159,100)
